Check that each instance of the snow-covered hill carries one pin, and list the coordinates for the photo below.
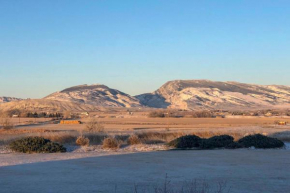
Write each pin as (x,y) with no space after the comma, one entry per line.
(205,94)
(97,95)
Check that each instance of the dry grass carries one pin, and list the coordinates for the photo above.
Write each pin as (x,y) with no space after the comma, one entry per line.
(62,137)
(4,140)
(70,137)
(82,141)
(111,143)
(209,134)
(158,137)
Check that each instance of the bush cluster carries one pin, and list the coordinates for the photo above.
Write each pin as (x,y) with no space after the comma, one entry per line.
(225,141)
(154,114)
(260,141)
(221,141)
(188,141)
(36,145)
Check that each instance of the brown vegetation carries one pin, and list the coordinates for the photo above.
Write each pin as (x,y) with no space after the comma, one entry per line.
(133,140)
(82,141)
(158,137)
(154,114)
(110,143)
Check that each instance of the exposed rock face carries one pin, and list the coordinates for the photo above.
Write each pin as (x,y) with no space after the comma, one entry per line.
(8,99)
(205,94)
(96,95)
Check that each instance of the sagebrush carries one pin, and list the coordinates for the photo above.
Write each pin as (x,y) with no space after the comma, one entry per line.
(36,145)
(83,141)
(133,140)
(111,143)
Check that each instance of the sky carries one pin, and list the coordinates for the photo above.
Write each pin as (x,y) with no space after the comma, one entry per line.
(137,46)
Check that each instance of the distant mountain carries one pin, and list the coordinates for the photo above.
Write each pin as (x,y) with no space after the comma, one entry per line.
(178,94)
(8,99)
(205,94)
(96,95)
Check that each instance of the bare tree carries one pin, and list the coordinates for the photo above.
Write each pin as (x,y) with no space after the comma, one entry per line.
(6,123)
(93,125)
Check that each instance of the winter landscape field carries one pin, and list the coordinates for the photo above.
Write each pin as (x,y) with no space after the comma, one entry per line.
(146,96)
(149,163)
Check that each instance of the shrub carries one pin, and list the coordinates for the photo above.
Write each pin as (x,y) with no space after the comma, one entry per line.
(184,142)
(36,145)
(110,143)
(154,114)
(134,139)
(51,147)
(202,114)
(217,142)
(260,141)
(82,141)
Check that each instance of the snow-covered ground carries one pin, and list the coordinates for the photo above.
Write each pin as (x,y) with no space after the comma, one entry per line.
(287,145)
(244,170)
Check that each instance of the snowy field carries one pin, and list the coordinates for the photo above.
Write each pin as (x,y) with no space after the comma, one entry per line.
(244,170)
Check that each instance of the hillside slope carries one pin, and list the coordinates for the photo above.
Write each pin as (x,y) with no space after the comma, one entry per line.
(96,95)
(45,105)
(205,94)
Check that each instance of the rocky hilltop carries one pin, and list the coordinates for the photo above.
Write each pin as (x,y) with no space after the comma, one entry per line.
(96,95)
(205,94)
(8,99)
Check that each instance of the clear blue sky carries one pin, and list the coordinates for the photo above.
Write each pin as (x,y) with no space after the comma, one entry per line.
(136,46)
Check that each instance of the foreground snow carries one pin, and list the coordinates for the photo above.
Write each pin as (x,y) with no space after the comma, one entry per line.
(244,170)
